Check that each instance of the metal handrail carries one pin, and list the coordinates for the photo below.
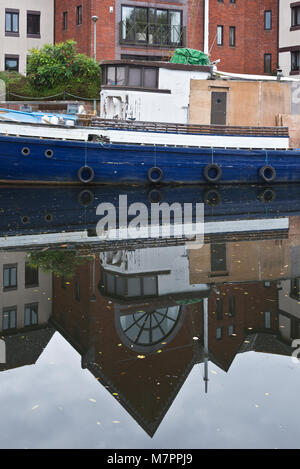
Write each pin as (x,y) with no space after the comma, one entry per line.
(151,34)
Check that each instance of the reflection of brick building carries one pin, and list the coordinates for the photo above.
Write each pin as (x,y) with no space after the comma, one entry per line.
(242,34)
(146,380)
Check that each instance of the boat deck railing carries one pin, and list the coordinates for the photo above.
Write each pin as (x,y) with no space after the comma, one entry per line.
(187,128)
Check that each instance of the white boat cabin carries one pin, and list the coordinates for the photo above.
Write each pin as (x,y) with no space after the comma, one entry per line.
(148,91)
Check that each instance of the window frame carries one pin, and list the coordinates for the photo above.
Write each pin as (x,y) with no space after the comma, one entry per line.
(294,10)
(148,24)
(11,11)
(232,29)
(265,70)
(221,28)
(79,15)
(295,70)
(127,67)
(36,35)
(65,20)
(265,20)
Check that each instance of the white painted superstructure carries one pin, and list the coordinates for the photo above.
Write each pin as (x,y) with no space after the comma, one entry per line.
(145,137)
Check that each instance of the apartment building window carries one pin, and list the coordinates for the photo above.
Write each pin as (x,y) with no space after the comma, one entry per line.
(10,277)
(232,36)
(34,24)
(267,63)
(219,35)
(151,26)
(9,318)
(268,19)
(296,16)
(295,61)
(79,15)
(65,20)
(31,275)
(31,314)
(11,22)
(11,63)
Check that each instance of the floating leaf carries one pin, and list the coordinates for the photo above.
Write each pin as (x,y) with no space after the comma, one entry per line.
(92,400)
(115,394)
(159,351)
(35,406)
(141,356)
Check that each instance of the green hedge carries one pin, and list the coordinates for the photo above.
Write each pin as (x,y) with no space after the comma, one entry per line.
(55,70)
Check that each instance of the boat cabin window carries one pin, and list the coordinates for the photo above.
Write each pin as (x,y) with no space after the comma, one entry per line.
(130,76)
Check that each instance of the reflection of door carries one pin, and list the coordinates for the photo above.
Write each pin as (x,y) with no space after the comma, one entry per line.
(218,108)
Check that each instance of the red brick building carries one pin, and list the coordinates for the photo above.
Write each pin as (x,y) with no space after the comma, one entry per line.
(243,34)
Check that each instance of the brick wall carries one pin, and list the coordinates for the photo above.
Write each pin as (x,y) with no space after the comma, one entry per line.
(247,16)
(252,40)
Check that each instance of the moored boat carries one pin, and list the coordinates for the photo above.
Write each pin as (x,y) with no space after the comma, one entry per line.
(114,152)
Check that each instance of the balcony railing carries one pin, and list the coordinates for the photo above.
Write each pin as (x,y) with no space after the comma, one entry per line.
(156,35)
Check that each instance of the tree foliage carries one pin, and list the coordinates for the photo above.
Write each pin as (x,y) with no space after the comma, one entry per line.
(57,64)
(61,262)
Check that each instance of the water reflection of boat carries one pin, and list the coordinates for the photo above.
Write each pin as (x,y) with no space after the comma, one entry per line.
(27,210)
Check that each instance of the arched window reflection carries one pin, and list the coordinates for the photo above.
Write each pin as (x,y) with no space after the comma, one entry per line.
(149,328)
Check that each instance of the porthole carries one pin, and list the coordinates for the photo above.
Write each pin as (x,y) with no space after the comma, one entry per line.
(49,153)
(25,151)
(48,217)
(25,219)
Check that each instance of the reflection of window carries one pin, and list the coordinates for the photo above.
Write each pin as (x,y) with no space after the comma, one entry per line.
(295,289)
(151,25)
(11,63)
(219,333)
(12,22)
(131,286)
(10,276)
(33,24)
(31,275)
(146,77)
(231,306)
(218,257)
(219,304)
(295,61)
(231,330)
(267,319)
(31,314)
(9,318)
(148,328)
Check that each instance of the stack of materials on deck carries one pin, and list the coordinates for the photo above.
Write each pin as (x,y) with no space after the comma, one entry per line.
(190,56)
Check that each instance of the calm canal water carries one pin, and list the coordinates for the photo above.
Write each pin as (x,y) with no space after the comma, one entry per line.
(149,343)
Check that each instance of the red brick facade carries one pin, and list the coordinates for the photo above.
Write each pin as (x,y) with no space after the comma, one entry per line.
(252,40)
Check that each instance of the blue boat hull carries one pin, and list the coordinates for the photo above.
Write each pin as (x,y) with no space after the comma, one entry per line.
(118,163)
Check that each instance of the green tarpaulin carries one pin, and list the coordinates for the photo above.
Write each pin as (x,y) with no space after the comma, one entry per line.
(190,56)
